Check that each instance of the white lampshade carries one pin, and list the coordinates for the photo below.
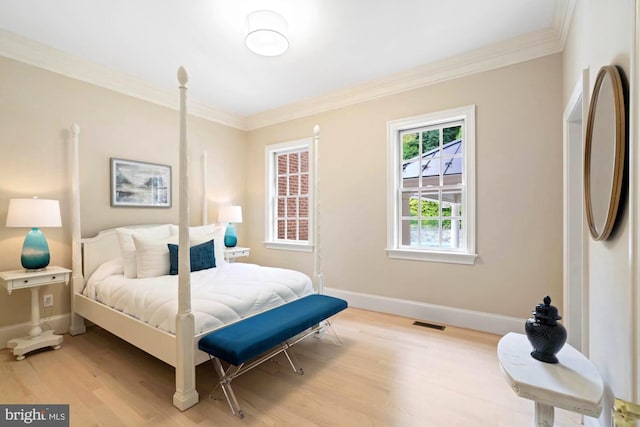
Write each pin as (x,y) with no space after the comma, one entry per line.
(266,33)
(230,214)
(33,213)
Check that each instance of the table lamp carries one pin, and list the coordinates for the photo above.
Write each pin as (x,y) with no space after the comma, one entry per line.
(34,213)
(230,215)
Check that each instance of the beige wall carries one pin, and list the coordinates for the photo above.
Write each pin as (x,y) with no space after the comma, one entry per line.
(519,175)
(602,34)
(519,193)
(38,107)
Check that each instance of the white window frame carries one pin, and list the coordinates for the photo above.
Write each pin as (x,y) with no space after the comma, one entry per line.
(467,254)
(271,151)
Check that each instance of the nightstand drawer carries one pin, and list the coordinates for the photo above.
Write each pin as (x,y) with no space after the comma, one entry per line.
(33,281)
(238,253)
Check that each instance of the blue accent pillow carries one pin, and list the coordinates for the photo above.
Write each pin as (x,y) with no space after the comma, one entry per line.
(202,256)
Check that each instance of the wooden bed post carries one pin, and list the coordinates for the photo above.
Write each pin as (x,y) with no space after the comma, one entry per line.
(205,207)
(318,277)
(186,394)
(77,325)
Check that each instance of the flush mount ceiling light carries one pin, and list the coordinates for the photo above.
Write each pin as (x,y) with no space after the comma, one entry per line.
(266,33)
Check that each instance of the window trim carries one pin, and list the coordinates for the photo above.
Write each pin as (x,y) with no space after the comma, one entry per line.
(394,127)
(270,175)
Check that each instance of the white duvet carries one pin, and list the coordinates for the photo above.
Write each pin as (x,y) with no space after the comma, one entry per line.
(219,295)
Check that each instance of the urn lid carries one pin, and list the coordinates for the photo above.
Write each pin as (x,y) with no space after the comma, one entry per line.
(546,313)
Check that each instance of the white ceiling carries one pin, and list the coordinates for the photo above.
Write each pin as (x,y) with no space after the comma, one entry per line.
(334,44)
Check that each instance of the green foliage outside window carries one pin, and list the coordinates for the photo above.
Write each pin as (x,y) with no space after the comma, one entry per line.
(430,140)
(429,209)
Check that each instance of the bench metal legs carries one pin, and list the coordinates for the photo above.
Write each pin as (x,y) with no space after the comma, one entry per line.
(225,385)
(235,371)
(326,327)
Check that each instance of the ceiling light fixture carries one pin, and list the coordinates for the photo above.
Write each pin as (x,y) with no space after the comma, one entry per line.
(266,33)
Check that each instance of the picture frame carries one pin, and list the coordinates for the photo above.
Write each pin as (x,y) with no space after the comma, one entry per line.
(140,184)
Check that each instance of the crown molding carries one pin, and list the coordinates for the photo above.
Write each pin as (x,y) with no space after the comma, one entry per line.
(518,49)
(509,52)
(42,56)
(562,19)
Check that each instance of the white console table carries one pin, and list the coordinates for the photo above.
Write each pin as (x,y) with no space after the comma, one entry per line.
(573,383)
(33,280)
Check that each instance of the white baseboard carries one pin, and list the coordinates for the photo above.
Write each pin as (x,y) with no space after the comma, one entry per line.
(59,323)
(486,322)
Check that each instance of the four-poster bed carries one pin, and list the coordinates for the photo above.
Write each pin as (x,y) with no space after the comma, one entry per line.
(179,348)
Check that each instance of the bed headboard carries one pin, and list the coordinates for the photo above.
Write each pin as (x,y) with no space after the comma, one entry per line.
(102,248)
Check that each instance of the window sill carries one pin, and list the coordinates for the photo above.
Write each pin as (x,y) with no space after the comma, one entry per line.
(447,257)
(286,246)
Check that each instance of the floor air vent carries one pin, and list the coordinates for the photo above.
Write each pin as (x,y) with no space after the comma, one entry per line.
(429,325)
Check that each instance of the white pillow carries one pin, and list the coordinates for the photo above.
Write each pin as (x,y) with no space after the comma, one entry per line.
(204,233)
(152,255)
(128,248)
(218,245)
(106,269)
(194,231)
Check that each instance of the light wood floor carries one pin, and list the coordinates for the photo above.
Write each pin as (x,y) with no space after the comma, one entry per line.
(387,373)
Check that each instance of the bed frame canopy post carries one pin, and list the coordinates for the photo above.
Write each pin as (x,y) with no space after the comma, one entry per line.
(186,394)
(205,207)
(318,277)
(77,325)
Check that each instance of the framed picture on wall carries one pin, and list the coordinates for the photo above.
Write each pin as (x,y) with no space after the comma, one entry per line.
(140,184)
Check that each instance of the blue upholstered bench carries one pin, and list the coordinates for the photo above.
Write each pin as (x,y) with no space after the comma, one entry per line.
(265,334)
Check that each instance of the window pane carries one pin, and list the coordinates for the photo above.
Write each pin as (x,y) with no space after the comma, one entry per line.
(450,134)
(282,186)
(431,141)
(304,161)
(410,145)
(410,204)
(281,229)
(293,185)
(452,171)
(304,207)
(292,207)
(431,171)
(452,233)
(281,212)
(282,164)
(410,180)
(291,229)
(430,205)
(293,163)
(409,233)
(430,233)
(304,230)
(451,202)
(304,183)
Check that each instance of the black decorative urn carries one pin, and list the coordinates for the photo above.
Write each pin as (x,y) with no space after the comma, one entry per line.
(546,335)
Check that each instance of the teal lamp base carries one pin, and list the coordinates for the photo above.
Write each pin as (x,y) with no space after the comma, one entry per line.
(35,251)
(230,237)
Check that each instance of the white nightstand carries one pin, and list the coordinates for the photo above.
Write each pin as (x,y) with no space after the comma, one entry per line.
(21,279)
(235,252)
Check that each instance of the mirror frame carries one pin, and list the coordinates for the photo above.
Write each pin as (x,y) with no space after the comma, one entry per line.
(602,231)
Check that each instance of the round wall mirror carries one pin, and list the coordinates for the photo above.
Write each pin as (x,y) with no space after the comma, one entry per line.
(604,152)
